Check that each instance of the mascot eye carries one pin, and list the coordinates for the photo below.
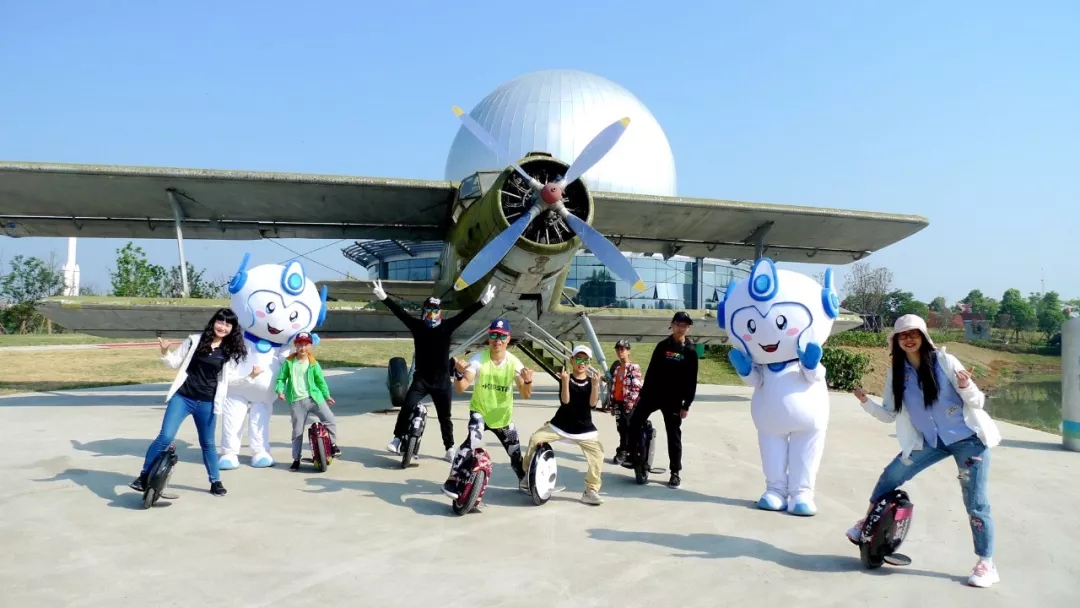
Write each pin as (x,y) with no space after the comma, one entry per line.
(781,322)
(270,307)
(750,325)
(294,316)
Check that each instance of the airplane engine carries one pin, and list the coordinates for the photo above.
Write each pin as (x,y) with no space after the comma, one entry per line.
(547,245)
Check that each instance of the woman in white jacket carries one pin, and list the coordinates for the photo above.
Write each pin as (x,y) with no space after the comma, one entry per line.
(939,413)
(207,364)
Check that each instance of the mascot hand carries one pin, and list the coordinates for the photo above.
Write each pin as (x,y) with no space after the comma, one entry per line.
(811,356)
(379,293)
(489,293)
(740,362)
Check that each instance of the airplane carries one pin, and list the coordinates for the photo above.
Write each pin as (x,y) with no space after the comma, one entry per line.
(517,228)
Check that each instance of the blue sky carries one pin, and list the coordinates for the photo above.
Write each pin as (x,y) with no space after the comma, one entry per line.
(963,112)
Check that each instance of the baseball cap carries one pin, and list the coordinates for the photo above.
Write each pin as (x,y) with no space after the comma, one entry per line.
(500,326)
(682,317)
(302,337)
(432,302)
(623,344)
(581,348)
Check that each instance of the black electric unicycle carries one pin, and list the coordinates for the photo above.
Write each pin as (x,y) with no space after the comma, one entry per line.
(157,478)
(884,529)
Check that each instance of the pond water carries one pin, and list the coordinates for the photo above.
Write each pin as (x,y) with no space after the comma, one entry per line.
(1033,402)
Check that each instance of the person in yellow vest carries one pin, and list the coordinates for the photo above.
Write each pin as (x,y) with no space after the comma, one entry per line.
(493,373)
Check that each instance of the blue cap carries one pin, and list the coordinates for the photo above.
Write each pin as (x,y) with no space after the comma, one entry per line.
(501,326)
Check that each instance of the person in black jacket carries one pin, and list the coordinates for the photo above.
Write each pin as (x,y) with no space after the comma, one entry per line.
(670,386)
(431,373)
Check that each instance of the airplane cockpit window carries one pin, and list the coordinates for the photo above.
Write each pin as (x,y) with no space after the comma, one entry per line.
(470,187)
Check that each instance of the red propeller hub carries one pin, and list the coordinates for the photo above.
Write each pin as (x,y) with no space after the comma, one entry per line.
(551,194)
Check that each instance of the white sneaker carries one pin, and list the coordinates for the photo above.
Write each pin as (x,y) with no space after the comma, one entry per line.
(591,497)
(855,531)
(450,454)
(394,447)
(984,574)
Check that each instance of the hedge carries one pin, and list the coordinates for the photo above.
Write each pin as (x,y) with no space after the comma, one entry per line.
(871,339)
(843,369)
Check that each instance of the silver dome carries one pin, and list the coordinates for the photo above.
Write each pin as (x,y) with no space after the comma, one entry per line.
(559,112)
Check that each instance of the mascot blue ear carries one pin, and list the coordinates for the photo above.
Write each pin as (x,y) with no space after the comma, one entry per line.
(721,309)
(829,300)
(238,280)
(322,311)
(314,339)
(293,278)
(763,280)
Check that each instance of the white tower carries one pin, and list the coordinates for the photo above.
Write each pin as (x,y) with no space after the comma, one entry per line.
(71,271)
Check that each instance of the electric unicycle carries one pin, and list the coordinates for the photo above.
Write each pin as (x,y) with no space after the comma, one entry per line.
(157,478)
(643,464)
(884,529)
(410,447)
(321,452)
(543,473)
(471,492)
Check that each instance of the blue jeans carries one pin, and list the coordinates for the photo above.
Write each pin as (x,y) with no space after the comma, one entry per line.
(973,461)
(178,409)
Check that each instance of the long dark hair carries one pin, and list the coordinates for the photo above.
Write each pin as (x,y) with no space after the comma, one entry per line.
(926,376)
(232,345)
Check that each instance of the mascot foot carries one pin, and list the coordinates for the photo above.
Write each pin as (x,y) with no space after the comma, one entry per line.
(228,462)
(771,501)
(804,507)
(262,460)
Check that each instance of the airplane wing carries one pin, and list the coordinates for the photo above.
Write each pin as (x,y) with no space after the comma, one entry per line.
(65,200)
(147,318)
(727,229)
(361,290)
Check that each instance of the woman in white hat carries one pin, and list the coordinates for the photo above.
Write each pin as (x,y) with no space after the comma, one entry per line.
(939,412)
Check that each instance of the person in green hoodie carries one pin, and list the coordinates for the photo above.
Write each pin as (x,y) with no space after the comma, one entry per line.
(301,384)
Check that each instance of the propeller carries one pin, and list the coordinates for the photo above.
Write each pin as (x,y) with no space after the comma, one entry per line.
(550,198)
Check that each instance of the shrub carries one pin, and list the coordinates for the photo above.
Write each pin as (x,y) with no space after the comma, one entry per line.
(873,339)
(843,369)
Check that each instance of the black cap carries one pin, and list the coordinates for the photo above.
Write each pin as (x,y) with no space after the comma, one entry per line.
(623,344)
(433,302)
(682,317)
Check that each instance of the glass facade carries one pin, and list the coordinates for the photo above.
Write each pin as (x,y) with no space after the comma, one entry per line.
(668,284)
(412,269)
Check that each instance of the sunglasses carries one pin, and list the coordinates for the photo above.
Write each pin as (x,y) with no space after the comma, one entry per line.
(496,336)
(580,360)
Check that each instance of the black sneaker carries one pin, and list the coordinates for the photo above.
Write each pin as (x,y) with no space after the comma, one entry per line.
(217,489)
(620,457)
(139,485)
(675,481)
(295,466)
(335,451)
(450,488)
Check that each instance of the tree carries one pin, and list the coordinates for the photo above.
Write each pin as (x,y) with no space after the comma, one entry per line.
(135,276)
(938,304)
(198,287)
(1020,312)
(30,280)
(982,305)
(866,289)
(1050,316)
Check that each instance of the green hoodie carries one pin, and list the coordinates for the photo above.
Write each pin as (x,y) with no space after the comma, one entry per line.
(316,383)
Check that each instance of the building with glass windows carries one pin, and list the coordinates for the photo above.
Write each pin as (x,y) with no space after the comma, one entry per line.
(676,283)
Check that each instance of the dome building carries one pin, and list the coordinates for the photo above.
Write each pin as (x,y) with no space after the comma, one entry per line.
(559,112)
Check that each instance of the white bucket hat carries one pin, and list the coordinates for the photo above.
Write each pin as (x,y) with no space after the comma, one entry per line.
(908,322)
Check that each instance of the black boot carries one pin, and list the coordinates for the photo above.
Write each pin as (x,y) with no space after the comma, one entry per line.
(217,489)
(139,485)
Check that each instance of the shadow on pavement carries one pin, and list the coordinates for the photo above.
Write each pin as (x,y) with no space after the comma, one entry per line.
(720,546)
(104,485)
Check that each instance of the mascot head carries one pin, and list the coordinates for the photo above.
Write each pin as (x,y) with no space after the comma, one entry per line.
(775,313)
(274,302)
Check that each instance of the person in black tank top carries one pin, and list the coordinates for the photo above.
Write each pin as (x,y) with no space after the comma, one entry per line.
(578,396)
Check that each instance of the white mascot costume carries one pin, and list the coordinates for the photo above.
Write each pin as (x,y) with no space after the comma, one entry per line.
(777,321)
(273,302)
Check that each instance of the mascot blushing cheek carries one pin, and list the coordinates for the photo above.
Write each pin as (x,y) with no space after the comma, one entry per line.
(777,321)
(273,303)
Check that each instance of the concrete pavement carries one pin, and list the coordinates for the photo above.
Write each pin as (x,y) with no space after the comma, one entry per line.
(368,533)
